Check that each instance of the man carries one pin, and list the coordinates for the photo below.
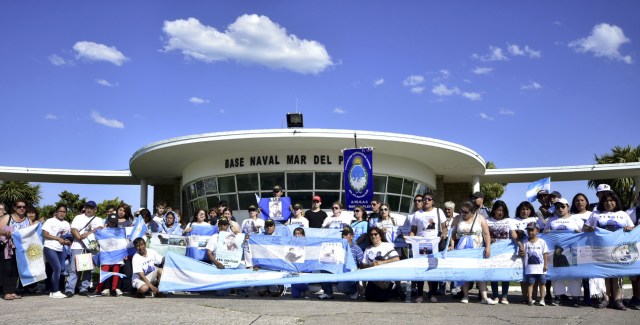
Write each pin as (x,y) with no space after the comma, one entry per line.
(349,288)
(82,226)
(315,216)
(273,290)
(147,269)
(277,191)
(212,244)
(600,190)
(553,197)
(160,211)
(417,206)
(543,198)
(477,199)
(375,213)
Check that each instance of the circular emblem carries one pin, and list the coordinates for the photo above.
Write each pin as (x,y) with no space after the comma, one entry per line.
(358,176)
(34,252)
(625,253)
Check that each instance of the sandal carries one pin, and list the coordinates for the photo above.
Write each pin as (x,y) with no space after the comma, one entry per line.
(8,296)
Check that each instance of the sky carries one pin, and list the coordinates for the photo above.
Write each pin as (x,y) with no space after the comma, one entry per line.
(84,84)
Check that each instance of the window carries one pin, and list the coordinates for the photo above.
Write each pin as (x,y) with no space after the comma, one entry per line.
(200,188)
(379,183)
(328,181)
(210,186)
(269,180)
(227,184)
(407,187)
(299,181)
(395,185)
(248,182)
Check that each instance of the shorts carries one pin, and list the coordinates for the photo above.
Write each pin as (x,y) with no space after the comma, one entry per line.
(535,278)
(152,277)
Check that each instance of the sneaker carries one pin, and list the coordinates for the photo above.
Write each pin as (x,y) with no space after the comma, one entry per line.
(325,296)
(84,293)
(465,300)
(488,301)
(57,295)
(531,302)
(504,301)
(555,301)
(433,299)
(118,292)
(634,303)
(105,292)
(541,303)
(419,300)
(619,305)
(353,296)
(68,294)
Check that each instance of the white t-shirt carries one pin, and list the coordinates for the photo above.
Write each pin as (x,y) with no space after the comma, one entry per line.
(302,222)
(250,226)
(500,230)
(584,216)
(82,220)
(572,223)
(371,253)
(609,220)
(337,222)
(58,228)
(534,256)
(422,221)
(145,264)
(212,244)
(521,224)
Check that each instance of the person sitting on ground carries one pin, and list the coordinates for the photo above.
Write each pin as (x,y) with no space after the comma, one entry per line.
(380,252)
(147,269)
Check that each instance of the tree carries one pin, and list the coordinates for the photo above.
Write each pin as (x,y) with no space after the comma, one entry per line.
(73,202)
(623,187)
(491,191)
(102,207)
(11,191)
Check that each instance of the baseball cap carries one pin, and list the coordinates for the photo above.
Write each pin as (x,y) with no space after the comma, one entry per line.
(347,230)
(277,188)
(477,194)
(297,206)
(603,188)
(316,198)
(223,221)
(532,225)
(555,193)
(269,222)
(252,208)
(542,192)
(91,204)
(563,201)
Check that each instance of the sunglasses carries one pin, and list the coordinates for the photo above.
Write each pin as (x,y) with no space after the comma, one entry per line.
(374,234)
(21,206)
(428,199)
(384,209)
(61,211)
(336,208)
(417,201)
(357,211)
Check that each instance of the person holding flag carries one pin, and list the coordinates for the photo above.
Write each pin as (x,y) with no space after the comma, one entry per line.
(112,222)
(10,223)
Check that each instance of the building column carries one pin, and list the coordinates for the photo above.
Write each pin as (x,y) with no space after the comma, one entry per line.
(637,191)
(475,184)
(143,193)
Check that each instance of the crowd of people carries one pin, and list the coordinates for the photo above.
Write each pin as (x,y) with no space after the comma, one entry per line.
(368,236)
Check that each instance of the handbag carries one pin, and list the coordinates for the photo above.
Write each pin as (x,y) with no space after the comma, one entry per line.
(84,262)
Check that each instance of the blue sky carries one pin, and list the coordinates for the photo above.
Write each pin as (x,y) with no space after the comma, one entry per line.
(84,84)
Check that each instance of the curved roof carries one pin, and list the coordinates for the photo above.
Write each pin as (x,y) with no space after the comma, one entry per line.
(168,158)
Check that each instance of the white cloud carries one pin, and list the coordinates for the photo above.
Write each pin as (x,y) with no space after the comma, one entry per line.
(198,101)
(482,70)
(532,53)
(95,115)
(516,50)
(339,110)
(50,116)
(104,82)
(417,90)
(472,96)
(378,82)
(504,111)
(56,60)
(442,90)
(605,41)
(495,54)
(250,39)
(413,80)
(486,117)
(532,86)
(99,52)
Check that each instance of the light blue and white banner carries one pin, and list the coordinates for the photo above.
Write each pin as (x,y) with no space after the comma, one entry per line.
(422,246)
(198,238)
(599,254)
(106,275)
(537,186)
(301,254)
(310,232)
(30,254)
(358,177)
(276,208)
(113,245)
(139,230)
(163,243)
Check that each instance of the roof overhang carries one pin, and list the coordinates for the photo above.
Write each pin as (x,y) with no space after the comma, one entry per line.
(562,173)
(72,176)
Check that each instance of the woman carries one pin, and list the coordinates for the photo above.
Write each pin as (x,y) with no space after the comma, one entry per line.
(386,222)
(336,220)
(152,226)
(525,214)
(610,216)
(253,225)
(360,227)
(500,230)
(470,230)
(112,222)
(169,225)
(298,218)
(563,221)
(54,232)
(199,219)
(580,208)
(299,290)
(233,226)
(125,217)
(9,224)
(380,252)
(32,214)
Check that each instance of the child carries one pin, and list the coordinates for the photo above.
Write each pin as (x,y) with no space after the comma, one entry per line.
(536,255)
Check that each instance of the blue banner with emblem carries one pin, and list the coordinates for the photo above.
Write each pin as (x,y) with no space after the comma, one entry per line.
(358,177)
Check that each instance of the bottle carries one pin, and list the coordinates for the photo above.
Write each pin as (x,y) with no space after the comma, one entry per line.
(407,293)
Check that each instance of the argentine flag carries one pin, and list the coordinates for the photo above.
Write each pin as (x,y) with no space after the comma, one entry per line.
(113,245)
(198,238)
(106,275)
(30,254)
(139,229)
(537,186)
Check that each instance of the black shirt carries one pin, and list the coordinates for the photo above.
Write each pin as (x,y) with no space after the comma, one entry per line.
(315,218)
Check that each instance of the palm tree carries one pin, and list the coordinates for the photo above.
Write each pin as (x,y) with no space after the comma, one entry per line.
(624,187)
(11,191)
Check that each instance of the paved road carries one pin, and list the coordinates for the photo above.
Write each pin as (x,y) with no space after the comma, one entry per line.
(209,309)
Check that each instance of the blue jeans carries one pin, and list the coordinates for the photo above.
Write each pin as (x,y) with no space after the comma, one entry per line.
(72,279)
(56,261)
(505,289)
